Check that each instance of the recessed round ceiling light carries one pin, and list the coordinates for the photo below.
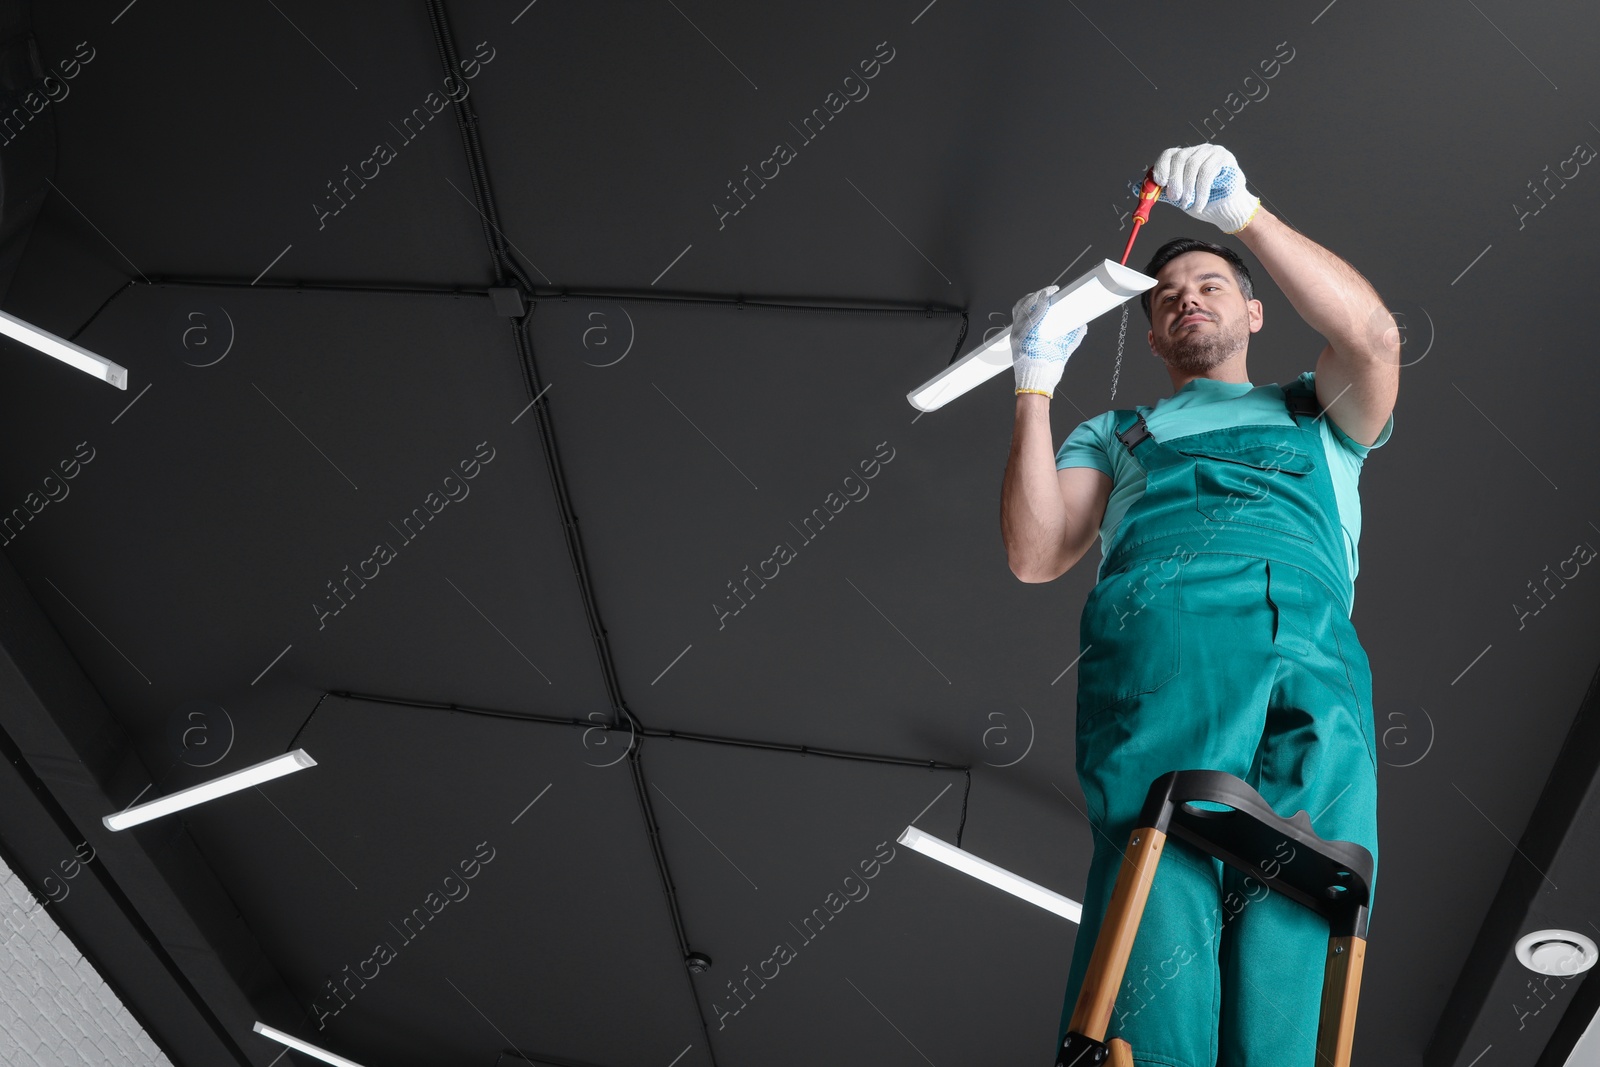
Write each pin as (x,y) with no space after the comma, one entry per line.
(1559,952)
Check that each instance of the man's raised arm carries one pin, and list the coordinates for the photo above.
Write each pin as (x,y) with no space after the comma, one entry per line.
(1047,518)
(1358,373)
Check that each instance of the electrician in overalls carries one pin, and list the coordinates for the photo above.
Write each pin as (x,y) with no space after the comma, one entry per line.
(1218,635)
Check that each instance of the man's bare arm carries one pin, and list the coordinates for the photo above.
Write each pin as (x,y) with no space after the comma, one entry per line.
(1358,373)
(1048,518)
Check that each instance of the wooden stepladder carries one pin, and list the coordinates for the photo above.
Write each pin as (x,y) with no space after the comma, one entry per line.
(1332,878)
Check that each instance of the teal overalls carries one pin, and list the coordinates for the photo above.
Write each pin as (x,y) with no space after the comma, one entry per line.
(1219,637)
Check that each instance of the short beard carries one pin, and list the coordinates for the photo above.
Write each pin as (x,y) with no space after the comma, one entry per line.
(1196,355)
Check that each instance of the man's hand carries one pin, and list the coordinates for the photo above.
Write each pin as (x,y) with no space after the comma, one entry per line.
(1205,181)
(1040,349)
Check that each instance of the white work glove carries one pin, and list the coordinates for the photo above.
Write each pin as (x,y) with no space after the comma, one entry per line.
(1205,181)
(1040,348)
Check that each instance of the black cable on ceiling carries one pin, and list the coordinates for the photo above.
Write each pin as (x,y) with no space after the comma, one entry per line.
(504,263)
(640,731)
(778,303)
(829,304)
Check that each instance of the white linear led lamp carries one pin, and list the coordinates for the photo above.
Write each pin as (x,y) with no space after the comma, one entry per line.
(302,1046)
(1095,293)
(984,871)
(64,350)
(256,773)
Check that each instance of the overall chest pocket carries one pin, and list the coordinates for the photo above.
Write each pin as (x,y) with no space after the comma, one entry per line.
(1261,485)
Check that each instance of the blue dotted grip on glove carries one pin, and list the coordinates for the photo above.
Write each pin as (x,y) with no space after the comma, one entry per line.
(1228,179)
(1038,345)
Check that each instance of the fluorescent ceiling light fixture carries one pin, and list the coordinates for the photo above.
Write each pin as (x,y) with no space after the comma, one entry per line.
(1088,297)
(984,871)
(301,1046)
(64,350)
(265,771)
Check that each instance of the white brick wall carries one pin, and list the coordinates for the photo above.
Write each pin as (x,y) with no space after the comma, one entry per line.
(55,1010)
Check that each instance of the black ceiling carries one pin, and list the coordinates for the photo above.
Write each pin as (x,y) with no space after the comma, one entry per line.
(304,379)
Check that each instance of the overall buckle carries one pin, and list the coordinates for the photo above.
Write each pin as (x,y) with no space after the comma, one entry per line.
(1133,435)
(1300,401)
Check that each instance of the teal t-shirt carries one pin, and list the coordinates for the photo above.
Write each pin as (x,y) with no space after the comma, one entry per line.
(1207,404)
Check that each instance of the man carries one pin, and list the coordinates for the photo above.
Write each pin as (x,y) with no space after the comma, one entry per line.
(1218,635)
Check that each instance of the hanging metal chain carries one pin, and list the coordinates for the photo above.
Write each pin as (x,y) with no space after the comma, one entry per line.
(1121,336)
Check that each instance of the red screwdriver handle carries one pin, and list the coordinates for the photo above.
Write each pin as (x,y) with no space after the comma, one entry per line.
(1148,195)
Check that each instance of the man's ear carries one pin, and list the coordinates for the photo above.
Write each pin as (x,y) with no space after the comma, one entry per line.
(1150,339)
(1254,309)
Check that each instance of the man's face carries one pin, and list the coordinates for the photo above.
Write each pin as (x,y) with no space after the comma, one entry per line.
(1198,314)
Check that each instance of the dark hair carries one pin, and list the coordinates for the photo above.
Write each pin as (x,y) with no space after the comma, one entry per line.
(1175,248)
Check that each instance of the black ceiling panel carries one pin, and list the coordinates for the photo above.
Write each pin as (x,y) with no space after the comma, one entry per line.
(478,877)
(279,491)
(267,121)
